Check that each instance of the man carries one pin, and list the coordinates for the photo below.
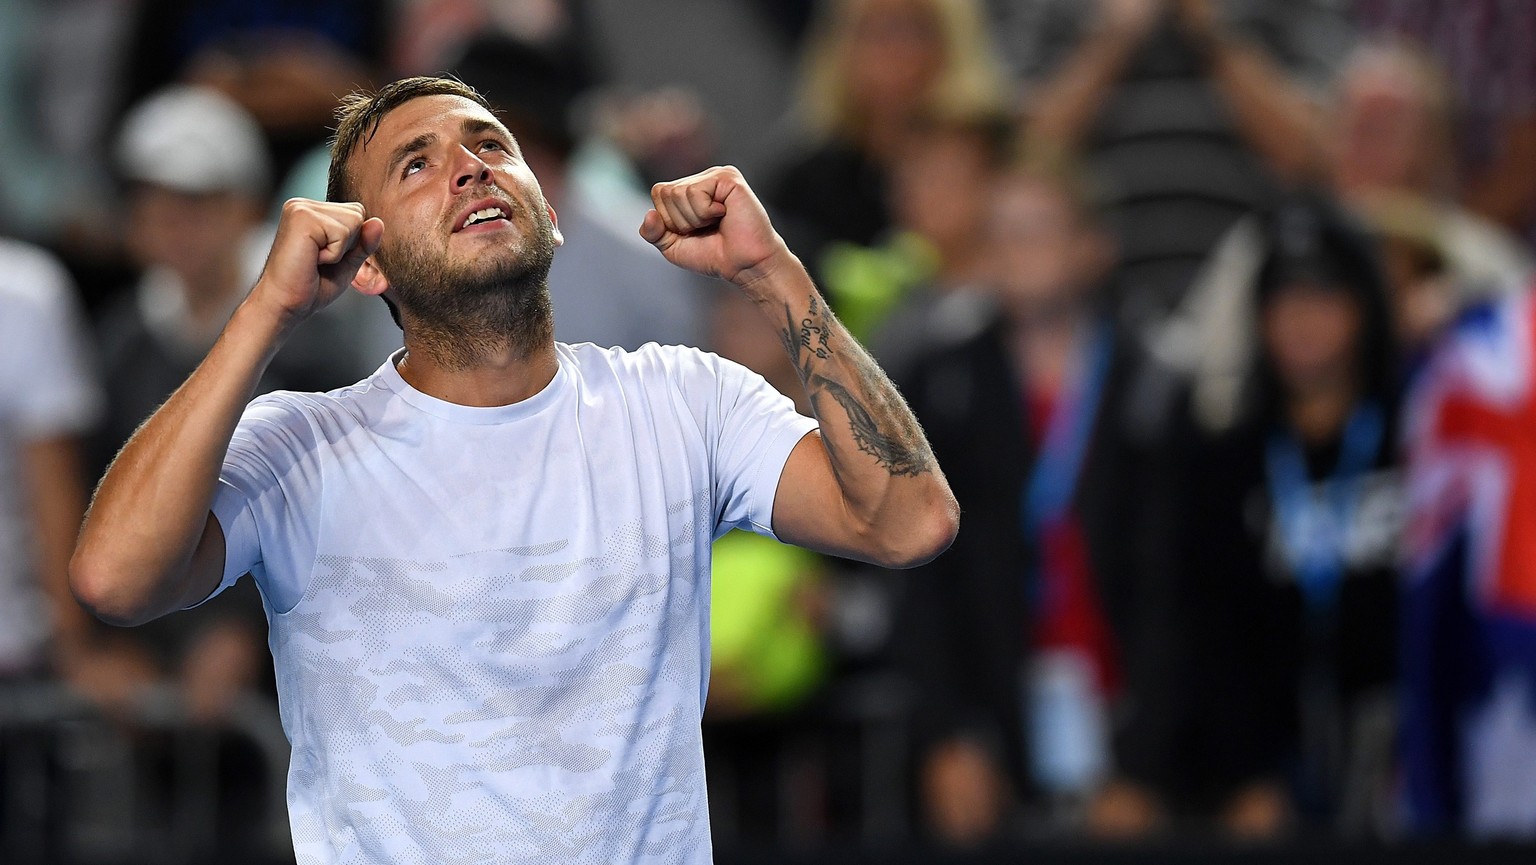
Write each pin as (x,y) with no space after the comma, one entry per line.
(484,565)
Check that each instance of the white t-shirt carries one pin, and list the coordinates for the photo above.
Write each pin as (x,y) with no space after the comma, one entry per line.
(490,625)
(46,392)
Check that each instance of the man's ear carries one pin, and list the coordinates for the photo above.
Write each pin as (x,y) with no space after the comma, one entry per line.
(369,279)
(555,221)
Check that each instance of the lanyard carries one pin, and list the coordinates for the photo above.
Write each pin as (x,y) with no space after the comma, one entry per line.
(1313,521)
(1053,479)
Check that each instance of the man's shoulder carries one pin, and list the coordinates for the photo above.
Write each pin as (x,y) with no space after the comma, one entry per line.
(649,359)
(293,407)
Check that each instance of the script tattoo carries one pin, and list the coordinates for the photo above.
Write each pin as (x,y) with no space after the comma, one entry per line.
(881,424)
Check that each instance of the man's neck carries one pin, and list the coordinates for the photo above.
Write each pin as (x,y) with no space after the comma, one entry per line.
(500,376)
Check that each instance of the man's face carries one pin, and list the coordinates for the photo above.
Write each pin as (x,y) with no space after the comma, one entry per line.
(196,235)
(465,221)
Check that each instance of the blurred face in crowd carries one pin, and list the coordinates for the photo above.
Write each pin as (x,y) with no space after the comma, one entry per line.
(939,188)
(197,235)
(467,232)
(1045,255)
(1311,333)
(895,50)
(1385,130)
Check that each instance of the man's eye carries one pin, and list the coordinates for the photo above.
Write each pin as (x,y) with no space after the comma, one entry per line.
(491,145)
(414,166)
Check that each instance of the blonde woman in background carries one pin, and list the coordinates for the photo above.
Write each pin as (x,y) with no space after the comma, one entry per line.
(870,68)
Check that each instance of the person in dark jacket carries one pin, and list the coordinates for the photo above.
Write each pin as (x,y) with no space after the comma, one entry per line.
(1024,640)
(1291,544)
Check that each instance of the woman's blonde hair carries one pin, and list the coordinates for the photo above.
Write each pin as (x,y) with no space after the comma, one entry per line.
(1408,61)
(969,83)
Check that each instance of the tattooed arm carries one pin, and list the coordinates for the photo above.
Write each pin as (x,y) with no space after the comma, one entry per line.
(866,485)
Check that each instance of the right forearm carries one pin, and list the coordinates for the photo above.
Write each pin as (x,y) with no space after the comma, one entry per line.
(134,558)
(1272,113)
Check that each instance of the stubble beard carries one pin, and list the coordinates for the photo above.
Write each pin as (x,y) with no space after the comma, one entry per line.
(459,313)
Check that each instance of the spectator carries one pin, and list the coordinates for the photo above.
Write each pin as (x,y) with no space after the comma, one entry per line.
(871,67)
(1387,157)
(1469,625)
(1395,136)
(1028,412)
(1485,48)
(48,400)
(1292,540)
(59,80)
(936,249)
(1190,113)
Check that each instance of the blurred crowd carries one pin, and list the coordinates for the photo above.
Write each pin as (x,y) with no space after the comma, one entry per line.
(1217,314)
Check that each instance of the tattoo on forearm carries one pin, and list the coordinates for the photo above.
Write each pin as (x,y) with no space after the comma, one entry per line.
(879,420)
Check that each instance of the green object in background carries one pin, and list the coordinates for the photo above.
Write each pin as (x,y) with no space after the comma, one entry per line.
(864,283)
(762,638)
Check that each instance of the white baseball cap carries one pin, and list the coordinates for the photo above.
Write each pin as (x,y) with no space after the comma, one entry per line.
(193,139)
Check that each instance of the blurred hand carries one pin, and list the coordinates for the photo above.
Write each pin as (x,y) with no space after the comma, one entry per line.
(1123,810)
(1423,307)
(113,674)
(963,793)
(1130,20)
(318,249)
(1199,18)
(289,83)
(219,666)
(1256,812)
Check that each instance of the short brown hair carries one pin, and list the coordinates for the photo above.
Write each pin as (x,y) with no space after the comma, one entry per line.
(359,114)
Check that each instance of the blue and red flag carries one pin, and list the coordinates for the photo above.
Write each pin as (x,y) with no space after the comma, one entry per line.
(1469,623)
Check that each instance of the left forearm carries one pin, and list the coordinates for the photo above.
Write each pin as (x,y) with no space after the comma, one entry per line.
(868,486)
(879,455)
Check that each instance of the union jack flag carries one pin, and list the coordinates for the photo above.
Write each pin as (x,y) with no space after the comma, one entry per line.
(1469,623)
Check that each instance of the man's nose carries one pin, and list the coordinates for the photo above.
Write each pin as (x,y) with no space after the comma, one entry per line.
(471,171)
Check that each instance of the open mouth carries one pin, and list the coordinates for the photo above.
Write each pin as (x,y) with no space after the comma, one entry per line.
(487,214)
(485,217)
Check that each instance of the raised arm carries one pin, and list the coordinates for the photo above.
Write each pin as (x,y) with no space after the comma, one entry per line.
(1275,115)
(150,544)
(1062,109)
(866,486)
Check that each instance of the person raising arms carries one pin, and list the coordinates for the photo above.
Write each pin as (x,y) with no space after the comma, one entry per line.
(486,566)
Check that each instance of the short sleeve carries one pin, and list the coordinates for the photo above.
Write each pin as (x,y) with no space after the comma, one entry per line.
(754,429)
(46,388)
(267,499)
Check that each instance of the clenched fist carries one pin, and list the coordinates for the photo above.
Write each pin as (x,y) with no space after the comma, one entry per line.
(318,249)
(712,223)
